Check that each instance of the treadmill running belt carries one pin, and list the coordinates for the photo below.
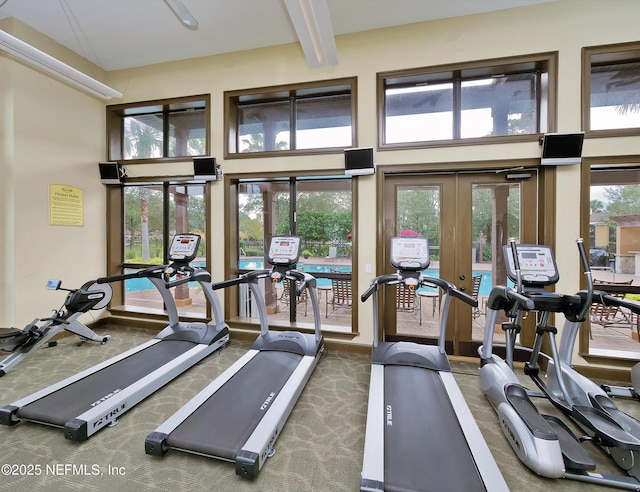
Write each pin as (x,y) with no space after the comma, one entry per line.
(425,448)
(224,422)
(69,402)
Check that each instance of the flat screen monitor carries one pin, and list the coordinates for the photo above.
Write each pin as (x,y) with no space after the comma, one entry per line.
(204,168)
(559,149)
(111,173)
(359,161)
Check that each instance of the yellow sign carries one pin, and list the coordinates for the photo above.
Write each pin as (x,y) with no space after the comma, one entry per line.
(66,205)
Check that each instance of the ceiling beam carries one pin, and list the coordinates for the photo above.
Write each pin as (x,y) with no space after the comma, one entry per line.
(312,23)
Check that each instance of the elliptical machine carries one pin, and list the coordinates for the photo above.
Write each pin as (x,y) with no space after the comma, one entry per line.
(543,442)
(22,343)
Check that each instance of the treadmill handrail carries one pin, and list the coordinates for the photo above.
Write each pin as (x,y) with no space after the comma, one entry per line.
(251,279)
(146,272)
(308,282)
(376,282)
(241,279)
(449,288)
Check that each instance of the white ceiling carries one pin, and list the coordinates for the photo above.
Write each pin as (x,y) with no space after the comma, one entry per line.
(117,34)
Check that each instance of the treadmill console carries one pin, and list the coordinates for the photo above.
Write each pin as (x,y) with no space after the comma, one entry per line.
(284,251)
(184,247)
(537,264)
(410,253)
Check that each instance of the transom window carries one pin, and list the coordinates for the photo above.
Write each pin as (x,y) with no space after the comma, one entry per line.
(158,130)
(443,104)
(611,77)
(291,119)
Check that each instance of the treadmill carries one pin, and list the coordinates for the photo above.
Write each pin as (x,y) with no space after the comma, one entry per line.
(420,433)
(239,416)
(96,397)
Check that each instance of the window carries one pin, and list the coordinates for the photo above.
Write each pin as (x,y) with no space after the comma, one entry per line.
(447,105)
(291,119)
(152,213)
(614,242)
(159,130)
(611,96)
(320,211)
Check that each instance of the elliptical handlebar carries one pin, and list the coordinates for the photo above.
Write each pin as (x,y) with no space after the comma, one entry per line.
(587,272)
(601,297)
(516,296)
(516,263)
(500,295)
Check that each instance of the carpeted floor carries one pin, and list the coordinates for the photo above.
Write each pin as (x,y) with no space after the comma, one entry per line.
(319,449)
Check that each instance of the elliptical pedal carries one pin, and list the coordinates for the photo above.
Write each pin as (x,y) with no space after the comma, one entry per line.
(574,455)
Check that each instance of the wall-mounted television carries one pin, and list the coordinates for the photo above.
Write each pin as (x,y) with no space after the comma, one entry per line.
(358,161)
(560,149)
(204,168)
(111,173)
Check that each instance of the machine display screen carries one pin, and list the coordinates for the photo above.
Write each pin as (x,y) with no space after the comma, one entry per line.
(184,247)
(410,253)
(537,264)
(284,250)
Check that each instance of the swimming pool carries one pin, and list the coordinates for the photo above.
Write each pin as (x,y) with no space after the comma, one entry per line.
(139,284)
(256,264)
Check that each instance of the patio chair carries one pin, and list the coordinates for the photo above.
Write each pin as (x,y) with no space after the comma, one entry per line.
(333,253)
(341,293)
(405,299)
(285,297)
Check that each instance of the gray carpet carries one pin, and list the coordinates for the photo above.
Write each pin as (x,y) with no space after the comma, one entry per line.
(319,449)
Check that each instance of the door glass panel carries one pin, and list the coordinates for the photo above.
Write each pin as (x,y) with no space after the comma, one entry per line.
(324,221)
(495,218)
(467,217)
(263,211)
(418,214)
(614,242)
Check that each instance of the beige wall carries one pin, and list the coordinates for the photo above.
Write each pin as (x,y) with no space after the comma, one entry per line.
(51,133)
(565,26)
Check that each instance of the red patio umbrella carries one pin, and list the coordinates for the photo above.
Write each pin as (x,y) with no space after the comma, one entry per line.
(409,233)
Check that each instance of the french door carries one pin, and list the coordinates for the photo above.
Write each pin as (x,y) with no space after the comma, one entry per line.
(467,217)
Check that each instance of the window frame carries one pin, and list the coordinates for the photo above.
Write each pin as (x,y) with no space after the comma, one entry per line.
(546,62)
(283,93)
(116,263)
(603,163)
(115,128)
(604,55)
(232,255)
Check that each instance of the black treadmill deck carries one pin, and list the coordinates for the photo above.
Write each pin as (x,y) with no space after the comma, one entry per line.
(223,423)
(419,417)
(66,404)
